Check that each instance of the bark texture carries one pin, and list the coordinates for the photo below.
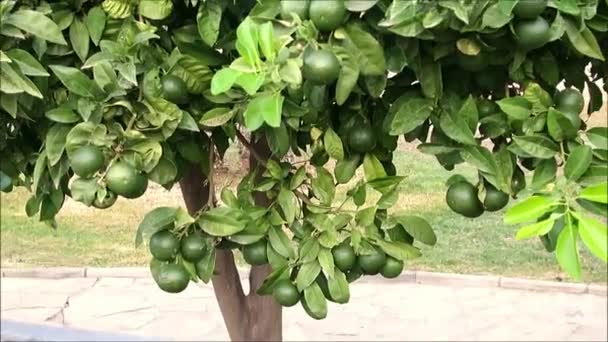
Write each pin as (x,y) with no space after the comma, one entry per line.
(247,317)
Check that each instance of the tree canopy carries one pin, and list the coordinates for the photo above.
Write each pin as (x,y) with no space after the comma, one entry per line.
(99,98)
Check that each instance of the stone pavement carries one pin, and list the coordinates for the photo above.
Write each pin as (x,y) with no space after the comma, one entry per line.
(377,311)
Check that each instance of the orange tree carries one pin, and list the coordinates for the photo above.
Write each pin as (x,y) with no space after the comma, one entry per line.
(101,97)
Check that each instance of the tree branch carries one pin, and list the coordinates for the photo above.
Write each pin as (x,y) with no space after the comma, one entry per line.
(259,158)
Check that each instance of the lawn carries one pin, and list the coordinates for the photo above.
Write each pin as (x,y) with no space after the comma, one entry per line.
(105,238)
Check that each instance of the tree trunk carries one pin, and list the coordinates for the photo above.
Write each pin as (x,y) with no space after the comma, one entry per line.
(247,317)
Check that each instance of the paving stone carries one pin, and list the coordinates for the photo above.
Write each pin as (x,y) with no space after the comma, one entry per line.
(456,279)
(40,272)
(117,272)
(600,290)
(404,311)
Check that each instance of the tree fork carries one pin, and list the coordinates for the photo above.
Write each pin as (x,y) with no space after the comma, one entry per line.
(247,317)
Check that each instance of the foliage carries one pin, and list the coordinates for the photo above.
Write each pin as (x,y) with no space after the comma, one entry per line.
(79,73)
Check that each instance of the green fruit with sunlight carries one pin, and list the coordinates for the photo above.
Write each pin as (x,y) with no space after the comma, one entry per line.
(321,67)
(532,34)
(86,160)
(164,245)
(193,247)
(174,89)
(392,268)
(372,263)
(125,180)
(255,253)
(462,199)
(286,293)
(529,9)
(344,256)
(172,278)
(327,15)
(299,7)
(495,199)
(108,200)
(361,139)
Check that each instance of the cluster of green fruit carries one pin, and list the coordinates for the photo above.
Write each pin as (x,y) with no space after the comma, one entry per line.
(166,248)
(345,259)
(463,198)
(120,178)
(531,29)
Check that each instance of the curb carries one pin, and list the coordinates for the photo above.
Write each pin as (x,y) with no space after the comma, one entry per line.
(417,277)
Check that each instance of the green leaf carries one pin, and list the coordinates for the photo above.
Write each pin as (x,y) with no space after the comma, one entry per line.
(290,72)
(79,38)
(583,40)
(566,250)
(528,210)
(280,242)
(594,235)
(264,108)
(55,142)
(338,287)
(323,186)
(247,41)
(194,73)
(455,127)
(346,168)
(28,64)
(298,178)
(372,167)
(369,52)
(96,22)
(266,41)
(430,78)
(251,82)
(84,190)
(155,9)
(596,193)
(480,157)
(333,144)
(536,146)
(62,114)
(365,217)
(217,117)
(77,82)
(388,199)
(222,221)
(223,80)
(307,274)
(559,126)
(314,302)
(289,204)
(516,107)
(418,227)
(544,173)
(598,137)
(206,266)
(399,250)
(385,184)
(154,221)
(347,79)
(359,5)
(208,18)
(578,162)
(326,260)
(37,24)
(409,113)
(12,81)
(535,229)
